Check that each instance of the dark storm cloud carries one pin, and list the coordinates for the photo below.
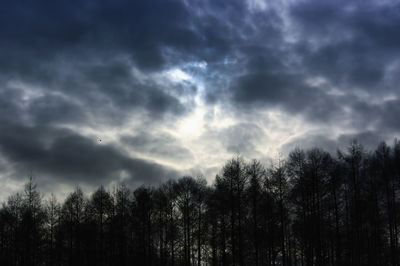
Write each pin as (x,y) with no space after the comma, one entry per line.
(351,46)
(113,84)
(72,46)
(347,65)
(97,87)
(9,104)
(354,42)
(139,27)
(143,30)
(96,64)
(389,116)
(372,22)
(285,90)
(82,64)
(69,157)
(88,49)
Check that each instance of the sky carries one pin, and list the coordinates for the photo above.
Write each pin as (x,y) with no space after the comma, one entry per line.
(138,92)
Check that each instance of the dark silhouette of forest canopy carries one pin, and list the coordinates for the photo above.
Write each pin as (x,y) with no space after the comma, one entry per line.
(312,208)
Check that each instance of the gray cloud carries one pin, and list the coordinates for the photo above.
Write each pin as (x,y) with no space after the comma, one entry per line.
(69,157)
(350,46)
(158,145)
(91,66)
(354,42)
(285,90)
(241,138)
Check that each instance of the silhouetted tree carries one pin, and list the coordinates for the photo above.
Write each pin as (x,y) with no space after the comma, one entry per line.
(256,174)
(72,225)
(313,208)
(121,225)
(280,190)
(53,210)
(142,226)
(100,212)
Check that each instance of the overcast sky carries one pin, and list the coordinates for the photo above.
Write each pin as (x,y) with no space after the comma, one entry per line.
(137,92)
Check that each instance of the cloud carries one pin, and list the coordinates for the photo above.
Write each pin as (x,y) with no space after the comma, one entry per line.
(349,43)
(337,67)
(286,91)
(174,86)
(242,138)
(158,145)
(71,158)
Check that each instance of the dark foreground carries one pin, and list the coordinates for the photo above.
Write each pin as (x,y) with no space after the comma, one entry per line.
(313,208)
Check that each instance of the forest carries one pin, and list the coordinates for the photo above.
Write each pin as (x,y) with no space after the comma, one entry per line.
(310,208)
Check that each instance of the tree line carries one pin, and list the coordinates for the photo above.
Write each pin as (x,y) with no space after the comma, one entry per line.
(312,208)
